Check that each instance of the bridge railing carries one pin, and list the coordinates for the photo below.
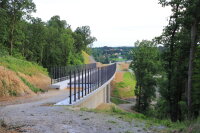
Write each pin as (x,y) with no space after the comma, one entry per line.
(83,82)
(61,73)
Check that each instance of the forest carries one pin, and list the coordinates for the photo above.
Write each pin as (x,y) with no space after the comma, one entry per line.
(48,43)
(171,76)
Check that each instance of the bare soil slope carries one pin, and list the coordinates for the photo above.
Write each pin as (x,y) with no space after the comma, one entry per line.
(11,84)
(21,78)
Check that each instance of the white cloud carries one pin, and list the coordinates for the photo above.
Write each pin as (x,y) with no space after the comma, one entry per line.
(113,22)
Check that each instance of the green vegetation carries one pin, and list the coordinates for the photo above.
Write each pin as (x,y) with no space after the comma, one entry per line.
(86,57)
(129,79)
(113,54)
(32,87)
(149,121)
(117,101)
(51,43)
(12,92)
(22,66)
(172,74)
(179,85)
(194,126)
(125,89)
(146,66)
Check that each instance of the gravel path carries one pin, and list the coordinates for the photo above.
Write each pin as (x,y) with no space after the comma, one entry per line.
(41,117)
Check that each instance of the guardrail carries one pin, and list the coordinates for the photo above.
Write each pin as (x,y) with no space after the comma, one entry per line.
(83,82)
(61,73)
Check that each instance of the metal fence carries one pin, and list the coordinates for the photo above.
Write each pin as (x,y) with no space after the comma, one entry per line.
(61,73)
(84,81)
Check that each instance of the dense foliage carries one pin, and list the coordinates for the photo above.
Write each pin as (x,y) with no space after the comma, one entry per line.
(179,82)
(46,43)
(146,65)
(111,54)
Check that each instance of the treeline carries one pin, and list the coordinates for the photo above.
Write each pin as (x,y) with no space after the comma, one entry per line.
(173,73)
(111,54)
(47,43)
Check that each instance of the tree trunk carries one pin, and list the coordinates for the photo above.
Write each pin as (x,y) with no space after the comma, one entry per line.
(190,67)
(171,67)
(139,98)
(13,23)
(11,40)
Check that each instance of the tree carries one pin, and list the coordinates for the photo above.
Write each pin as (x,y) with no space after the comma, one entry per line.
(49,44)
(16,9)
(83,38)
(35,40)
(180,47)
(193,12)
(145,65)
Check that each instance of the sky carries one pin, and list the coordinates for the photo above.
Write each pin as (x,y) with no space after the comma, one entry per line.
(112,22)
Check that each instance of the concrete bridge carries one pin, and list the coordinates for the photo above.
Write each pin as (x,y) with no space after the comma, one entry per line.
(87,87)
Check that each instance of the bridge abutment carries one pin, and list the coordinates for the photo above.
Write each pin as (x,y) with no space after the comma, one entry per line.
(102,95)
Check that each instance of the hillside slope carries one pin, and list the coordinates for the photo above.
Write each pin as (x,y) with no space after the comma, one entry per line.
(19,77)
(87,58)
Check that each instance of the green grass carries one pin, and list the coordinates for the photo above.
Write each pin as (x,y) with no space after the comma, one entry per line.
(118,101)
(19,65)
(32,87)
(86,57)
(129,81)
(149,121)
(194,126)
(118,59)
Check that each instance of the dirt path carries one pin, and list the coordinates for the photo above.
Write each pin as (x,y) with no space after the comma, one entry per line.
(39,116)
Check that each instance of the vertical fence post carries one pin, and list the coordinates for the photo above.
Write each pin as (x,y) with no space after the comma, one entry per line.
(75,86)
(91,80)
(88,81)
(70,87)
(82,83)
(78,84)
(85,82)
(95,78)
(98,76)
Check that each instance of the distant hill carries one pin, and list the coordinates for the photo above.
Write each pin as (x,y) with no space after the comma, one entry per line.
(111,54)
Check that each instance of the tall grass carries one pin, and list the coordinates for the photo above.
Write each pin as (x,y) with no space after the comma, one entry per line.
(125,88)
(19,65)
(86,57)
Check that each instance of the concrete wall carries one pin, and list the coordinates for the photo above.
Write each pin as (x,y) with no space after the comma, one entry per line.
(97,97)
(94,100)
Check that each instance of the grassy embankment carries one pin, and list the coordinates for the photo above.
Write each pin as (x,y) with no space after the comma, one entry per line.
(86,57)
(120,90)
(19,77)
(124,89)
(164,126)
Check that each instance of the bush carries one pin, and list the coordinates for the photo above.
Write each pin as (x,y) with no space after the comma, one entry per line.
(3,51)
